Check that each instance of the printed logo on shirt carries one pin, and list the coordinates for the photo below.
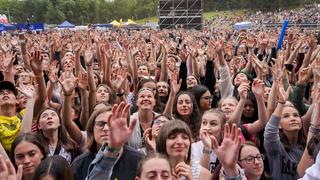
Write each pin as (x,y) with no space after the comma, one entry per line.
(9,126)
(288,167)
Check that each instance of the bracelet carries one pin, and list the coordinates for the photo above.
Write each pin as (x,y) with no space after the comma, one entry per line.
(89,64)
(314,130)
(67,94)
(316,126)
(281,102)
(119,94)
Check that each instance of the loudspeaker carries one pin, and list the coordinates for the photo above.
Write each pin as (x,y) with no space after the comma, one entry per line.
(185,13)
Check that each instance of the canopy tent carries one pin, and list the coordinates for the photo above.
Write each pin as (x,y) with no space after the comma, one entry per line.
(115,23)
(242,25)
(66,24)
(130,22)
(133,26)
(31,26)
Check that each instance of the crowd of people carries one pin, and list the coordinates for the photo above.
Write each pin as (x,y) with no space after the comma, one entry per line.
(160,104)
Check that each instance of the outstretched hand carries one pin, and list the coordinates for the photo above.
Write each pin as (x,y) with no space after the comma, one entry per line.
(119,130)
(228,151)
(7,170)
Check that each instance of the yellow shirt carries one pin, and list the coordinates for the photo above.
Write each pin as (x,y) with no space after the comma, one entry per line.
(9,129)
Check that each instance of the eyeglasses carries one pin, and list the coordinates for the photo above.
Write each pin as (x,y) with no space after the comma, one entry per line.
(100,124)
(250,159)
(207,98)
(159,121)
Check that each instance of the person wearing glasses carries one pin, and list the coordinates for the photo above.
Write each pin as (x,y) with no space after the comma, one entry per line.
(203,98)
(251,161)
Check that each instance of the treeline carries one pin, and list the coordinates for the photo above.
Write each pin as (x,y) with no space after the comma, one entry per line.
(102,11)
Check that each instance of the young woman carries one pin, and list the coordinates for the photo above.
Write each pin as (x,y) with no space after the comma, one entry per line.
(284,146)
(174,141)
(54,168)
(251,161)
(203,97)
(186,109)
(53,131)
(212,123)
(154,166)
(28,150)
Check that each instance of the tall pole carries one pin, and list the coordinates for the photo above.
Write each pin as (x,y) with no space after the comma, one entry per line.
(9,18)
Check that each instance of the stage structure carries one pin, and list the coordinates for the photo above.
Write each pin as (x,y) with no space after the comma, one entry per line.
(180,13)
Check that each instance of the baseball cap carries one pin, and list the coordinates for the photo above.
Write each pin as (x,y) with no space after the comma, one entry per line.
(8,85)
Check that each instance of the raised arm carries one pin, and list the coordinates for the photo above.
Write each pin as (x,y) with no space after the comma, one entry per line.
(236,115)
(174,89)
(68,86)
(258,90)
(83,84)
(26,123)
(306,160)
(88,57)
(36,66)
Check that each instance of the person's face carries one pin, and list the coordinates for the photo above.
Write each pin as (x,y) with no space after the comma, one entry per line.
(29,155)
(240,77)
(49,120)
(7,97)
(68,55)
(143,71)
(19,69)
(22,101)
(177,145)
(171,63)
(184,105)
(151,85)
(162,88)
(228,106)
(191,82)
(45,61)
(103,94)
(266,94)
(248,110)
(158,123)
(253,167)
(96,80)
(205,101)
(68,64)
(145,100)
(96,65)
(242,49)
(47,177)
(101,129)
(211,124)
(24,78)
(290,119)
(155,169)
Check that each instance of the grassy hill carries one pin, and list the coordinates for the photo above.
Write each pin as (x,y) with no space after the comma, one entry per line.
(206,15)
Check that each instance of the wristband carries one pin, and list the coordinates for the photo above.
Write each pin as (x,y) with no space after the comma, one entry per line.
(314,130)
(281,102)
(119,94)
(67,94)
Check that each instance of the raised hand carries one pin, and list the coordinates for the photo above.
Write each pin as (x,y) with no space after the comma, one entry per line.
(211,50)
(283,95)
(119,130)
(88,56)
(243,90)
(28,91)
(8,60)
(83,81)
(53,71)
(228,151)
(120,78)
(258,87)
(151,143)
(36,63)
(68,83)
(304,75)
(8,172)
(175,86)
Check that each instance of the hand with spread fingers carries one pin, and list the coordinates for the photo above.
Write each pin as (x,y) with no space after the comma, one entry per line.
(7,170)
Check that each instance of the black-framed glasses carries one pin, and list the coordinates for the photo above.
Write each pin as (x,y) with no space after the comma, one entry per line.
(250,159)
(100,124)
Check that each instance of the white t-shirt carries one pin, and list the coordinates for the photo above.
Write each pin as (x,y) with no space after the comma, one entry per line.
(196,154)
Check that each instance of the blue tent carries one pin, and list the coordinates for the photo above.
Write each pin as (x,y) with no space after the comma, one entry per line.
(31,26)
(242,25)
(66,24)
